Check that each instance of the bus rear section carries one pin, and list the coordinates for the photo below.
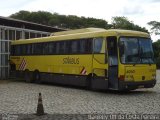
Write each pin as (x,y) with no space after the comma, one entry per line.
(137,68)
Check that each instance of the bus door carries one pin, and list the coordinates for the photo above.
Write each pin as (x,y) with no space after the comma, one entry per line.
(112,62)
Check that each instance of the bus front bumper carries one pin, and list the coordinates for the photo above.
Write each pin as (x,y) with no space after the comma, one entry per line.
(123,85)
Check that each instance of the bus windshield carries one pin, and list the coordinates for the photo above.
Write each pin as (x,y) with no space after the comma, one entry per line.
(134,50)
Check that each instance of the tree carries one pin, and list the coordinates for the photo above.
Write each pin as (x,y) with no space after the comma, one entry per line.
(124,23)
(155,27)
(75,22)
(22,15)
(156,49)
(63,21)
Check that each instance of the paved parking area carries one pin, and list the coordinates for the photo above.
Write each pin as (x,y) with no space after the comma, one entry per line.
(17,97)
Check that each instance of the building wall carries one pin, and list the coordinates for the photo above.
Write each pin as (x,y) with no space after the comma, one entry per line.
(7,34)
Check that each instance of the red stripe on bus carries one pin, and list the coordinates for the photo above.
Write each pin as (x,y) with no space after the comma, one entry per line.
(83,71)
(22,65)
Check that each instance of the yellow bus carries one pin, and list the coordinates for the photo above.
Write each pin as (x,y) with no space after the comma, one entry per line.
(92,57)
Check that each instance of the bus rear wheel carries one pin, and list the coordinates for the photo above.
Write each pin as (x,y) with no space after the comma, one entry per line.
(28,76)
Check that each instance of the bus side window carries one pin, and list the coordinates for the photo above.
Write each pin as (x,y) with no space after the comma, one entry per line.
(62,46)
(18,50)
(57,48)
(22,49)
(38,48)
(45,48)
(85,46)
(74,46)
(88,45)
(28,49)
(32,50)
(98,45)
(13,50)
(68,47)
(51,46)
(82,46)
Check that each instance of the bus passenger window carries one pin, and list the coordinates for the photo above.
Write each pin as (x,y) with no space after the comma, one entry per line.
(82,46)
(38,48)
(98,45)
(88,46)
(62,47)
(68,47)
(13,50)
(74,46)
(29,48)
(17,50)
(50,48)
(57,48)
(45,48)
(22,49)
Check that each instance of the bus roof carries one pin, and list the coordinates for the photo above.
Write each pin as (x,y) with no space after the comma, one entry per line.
(82,33)
(84,30)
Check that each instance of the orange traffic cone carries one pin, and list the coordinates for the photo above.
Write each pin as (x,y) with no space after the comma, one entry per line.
(40,109)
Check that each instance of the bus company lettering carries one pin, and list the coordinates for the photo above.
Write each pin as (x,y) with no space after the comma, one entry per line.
(69,60)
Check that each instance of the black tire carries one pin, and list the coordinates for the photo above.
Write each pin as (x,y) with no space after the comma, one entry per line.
(37,78)
(27,76)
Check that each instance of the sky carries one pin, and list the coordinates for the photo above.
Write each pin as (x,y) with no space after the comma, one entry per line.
(140,12)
